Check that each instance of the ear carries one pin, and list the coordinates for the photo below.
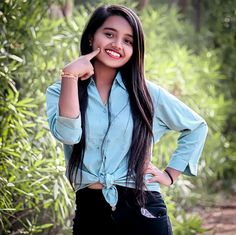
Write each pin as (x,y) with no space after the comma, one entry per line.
(90,41)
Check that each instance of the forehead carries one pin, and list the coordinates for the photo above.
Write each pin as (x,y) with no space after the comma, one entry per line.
(118,23)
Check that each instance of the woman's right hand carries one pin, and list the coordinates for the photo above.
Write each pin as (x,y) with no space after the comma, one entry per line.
(82,67)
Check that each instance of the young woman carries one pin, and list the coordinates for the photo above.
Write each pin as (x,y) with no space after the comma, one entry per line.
(108,116)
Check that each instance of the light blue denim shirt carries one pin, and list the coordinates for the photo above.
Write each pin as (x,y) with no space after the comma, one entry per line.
(109,133)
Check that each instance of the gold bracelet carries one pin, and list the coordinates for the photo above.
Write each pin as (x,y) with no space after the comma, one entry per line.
(70,78)
(69,75)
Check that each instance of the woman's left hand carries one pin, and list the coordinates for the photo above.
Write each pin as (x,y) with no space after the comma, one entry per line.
(158,175)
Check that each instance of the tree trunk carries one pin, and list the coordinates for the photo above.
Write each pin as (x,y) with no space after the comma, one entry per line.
(197,17)
(142,4)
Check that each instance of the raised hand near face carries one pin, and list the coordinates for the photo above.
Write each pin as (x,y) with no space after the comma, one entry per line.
(82,66)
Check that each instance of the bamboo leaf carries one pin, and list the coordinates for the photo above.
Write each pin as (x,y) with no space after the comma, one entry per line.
(16,58)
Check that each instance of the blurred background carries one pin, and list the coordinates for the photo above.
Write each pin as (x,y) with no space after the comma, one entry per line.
(190,51)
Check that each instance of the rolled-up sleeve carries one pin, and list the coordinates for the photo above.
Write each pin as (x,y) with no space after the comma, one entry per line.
(173,114)
(66,130)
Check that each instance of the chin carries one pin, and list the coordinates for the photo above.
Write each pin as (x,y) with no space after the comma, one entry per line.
(114,65)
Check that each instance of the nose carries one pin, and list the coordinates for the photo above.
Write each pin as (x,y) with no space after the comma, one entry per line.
(117,44)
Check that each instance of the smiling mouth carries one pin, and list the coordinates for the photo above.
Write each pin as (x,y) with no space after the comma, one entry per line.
(113,54)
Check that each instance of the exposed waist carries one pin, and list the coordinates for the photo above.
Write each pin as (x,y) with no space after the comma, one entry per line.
(96,186)
(109,182)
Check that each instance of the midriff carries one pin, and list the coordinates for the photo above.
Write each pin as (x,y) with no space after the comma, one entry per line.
(96,186)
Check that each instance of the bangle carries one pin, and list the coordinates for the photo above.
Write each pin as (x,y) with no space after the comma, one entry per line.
(69,75)
(69,78)
(168,173)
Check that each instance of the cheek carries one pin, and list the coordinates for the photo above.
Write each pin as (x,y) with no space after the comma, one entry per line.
(129,52)
(98,42)
(100,56)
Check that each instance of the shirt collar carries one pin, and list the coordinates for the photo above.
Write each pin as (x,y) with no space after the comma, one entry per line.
(117,79)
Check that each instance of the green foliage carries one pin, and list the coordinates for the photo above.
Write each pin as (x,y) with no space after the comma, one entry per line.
(33,190)
(220,19)
(188,224)
(34,195)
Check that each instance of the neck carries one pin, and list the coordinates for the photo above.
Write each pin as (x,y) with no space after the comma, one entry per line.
(104,76)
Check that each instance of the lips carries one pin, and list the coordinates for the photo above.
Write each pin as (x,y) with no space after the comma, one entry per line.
(113,54)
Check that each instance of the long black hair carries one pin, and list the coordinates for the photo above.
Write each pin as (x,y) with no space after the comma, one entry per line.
(140,101)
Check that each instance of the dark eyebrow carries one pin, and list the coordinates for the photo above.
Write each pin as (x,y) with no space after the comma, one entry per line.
(112,29)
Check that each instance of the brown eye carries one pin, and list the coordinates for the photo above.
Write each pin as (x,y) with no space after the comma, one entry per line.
(128,42)
(109,35)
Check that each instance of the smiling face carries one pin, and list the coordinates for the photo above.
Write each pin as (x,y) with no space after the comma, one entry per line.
(115,39)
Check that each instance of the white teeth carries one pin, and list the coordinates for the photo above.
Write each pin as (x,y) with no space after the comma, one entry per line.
(113,53)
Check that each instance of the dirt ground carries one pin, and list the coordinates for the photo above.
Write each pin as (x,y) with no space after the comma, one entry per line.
(221,218)
(220,221)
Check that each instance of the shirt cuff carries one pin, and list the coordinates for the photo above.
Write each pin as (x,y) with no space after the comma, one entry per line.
(187,168)
(69,129)
(72,123)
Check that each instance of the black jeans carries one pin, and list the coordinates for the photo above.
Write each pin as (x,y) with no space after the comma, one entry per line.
(93,214)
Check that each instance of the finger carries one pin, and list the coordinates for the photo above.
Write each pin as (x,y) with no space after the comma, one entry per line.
(153,179)
(150,171)
(86,76)
(146,163)
(92,54)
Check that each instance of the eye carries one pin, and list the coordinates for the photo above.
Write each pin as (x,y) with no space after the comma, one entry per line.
(109,35)
(128,42)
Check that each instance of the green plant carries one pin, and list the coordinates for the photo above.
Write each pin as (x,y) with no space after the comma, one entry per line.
(34,194)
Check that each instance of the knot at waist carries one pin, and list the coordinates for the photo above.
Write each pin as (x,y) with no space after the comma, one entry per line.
(107,180)
(109,190)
